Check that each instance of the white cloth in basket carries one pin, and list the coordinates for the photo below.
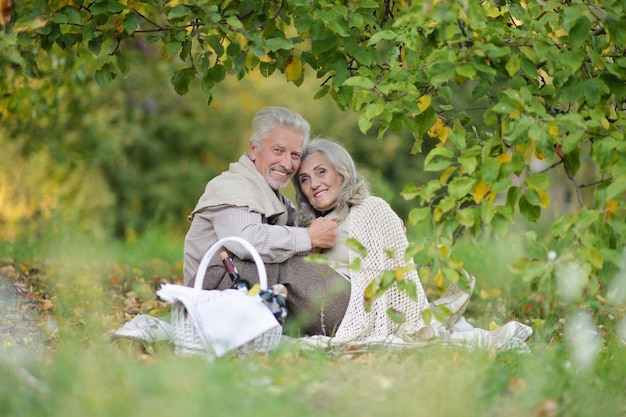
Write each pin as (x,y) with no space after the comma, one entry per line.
(225,319)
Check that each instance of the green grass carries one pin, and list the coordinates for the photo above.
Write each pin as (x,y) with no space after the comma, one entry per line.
(82,373)
(100,379)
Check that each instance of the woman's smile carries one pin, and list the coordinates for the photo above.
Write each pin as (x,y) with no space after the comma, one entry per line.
(319,181)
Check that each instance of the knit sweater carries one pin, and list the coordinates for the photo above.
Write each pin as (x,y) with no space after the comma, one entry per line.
(379,229)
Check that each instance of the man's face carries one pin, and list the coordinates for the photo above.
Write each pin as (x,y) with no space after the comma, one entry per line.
(278,157)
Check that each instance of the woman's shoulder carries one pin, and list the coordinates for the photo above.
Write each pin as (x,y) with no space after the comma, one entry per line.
(373,202)
(373,208)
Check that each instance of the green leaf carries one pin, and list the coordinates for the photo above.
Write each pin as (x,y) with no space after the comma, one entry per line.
(178,12)
(416,215)
(573,160)
(466,217)
(387,279)
(234,22)
(359,81)
(95,45)
(317,258)
(466,70)
(122,61)
(616,188)
(396,316)
(441,72)
(213,75)
(410,191)
(459,187)
(469,164)
(513,65)
(172,48)
(529,211)
(105,75)
(386,35)
(68,40)
(580,32)
(436,153)
(409,287)
(106,7)
(68,14)
(539,181)
(182,78)
(356,246)
(131,22)
(487,212)
(275,44)
(593,90)
(355,265)
(490,170)
(573,89)
(615,26)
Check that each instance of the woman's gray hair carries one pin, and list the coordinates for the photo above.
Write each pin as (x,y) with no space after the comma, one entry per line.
(354,188)
(270,117)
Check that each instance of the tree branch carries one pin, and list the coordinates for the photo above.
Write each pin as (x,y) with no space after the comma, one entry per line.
(568,171)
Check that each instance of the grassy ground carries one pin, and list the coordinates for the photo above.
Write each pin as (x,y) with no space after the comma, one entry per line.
(82,289)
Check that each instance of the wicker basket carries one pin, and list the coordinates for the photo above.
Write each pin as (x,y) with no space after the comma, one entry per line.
(188,340)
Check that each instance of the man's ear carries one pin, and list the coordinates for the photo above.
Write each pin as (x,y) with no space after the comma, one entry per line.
(252,151)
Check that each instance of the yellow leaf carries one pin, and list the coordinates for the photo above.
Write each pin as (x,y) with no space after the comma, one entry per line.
(596,258)
(481,189)
(544,199)
(610,209)
(435,129)
(504,157)
(491,11)
(399,273)
(119,25)
(495,293)
(493,326)
(268,59)
(423,102)
(553,129)
(605,123)
(438,212)
(256,288)
(445,134)
(491,196)
(445,175)
(293,69)
(516,22)
(439,278)
(544,78)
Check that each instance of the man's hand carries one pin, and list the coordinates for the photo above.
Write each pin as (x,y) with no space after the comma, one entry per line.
(323,233)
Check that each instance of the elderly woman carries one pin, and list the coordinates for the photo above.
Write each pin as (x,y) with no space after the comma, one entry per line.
(327,184)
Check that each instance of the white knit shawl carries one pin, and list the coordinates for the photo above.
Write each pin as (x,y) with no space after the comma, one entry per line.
(377,227)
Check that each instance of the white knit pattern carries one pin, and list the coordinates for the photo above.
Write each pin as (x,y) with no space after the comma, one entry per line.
(376,226)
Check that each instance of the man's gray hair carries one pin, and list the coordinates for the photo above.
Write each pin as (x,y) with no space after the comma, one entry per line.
(270,117)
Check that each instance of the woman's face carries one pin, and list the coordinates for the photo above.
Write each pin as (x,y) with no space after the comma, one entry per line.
(319,181)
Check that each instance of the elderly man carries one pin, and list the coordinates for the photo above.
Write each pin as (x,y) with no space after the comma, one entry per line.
(246,201)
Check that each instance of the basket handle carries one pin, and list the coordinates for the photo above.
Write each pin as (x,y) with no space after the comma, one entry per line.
(206,259)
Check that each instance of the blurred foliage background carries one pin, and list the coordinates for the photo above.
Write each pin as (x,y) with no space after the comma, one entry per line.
(119,159)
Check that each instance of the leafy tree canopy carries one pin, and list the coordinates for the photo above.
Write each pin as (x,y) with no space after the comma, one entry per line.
(503,87)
